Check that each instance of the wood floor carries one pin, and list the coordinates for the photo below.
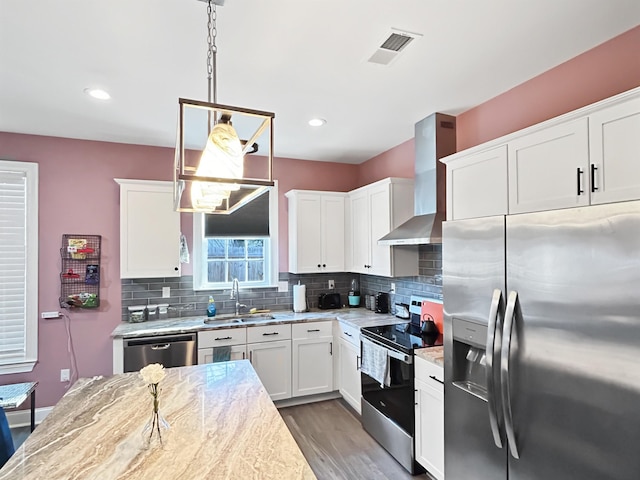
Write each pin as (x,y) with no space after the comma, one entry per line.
(336,446)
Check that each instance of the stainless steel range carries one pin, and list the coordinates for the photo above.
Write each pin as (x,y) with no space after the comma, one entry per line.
(388,383)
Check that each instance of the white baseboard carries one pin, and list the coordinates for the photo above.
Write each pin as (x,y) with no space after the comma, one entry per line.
(290,402)
(22,418)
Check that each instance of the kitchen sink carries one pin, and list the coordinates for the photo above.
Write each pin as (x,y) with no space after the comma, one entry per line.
(231,318)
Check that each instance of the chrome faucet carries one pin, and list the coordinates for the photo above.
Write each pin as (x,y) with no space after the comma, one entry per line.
(235,295)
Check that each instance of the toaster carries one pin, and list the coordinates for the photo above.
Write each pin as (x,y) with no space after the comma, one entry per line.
(329,300)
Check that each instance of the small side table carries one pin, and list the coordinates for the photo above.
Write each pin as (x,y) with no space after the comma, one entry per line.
(14,395)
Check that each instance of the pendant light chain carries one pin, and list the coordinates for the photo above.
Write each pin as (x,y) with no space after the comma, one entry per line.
(212,50)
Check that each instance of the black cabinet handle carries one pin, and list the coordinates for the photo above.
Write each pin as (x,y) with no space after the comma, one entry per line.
(324,265)
(580,191)
(593,177)
(318,265)
(348,334)
(223,338)
(176,269)
(273,333)
(331,348)
(314,330)
(432,377)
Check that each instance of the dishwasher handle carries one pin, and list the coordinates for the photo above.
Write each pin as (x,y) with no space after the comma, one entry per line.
(159,341)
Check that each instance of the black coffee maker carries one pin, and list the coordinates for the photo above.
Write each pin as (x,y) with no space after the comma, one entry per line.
(382,302)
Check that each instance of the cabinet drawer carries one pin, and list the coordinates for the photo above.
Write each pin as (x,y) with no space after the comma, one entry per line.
(268,333)
(429,373)
(350,333)
(311,330)
(220,337)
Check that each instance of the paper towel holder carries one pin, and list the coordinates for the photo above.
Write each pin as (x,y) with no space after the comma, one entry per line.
(300,303)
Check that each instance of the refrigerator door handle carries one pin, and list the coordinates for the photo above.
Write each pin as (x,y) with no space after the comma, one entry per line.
(493,349)
(504,373)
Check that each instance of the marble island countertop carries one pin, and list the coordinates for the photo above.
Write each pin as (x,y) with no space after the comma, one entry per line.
(223,425)
(357,317)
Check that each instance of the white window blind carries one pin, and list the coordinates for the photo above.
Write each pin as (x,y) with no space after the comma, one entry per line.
(18,266)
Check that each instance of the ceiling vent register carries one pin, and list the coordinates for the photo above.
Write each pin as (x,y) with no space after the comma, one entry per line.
(395,42)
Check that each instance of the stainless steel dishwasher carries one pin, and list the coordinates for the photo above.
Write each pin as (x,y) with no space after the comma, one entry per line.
(169,350)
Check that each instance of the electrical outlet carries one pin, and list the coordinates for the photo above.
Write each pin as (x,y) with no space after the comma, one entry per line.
(64,375)
(48,315)
(166,292)
(332,284)
(393,288)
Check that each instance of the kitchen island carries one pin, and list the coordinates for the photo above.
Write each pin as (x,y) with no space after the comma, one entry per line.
(223,425)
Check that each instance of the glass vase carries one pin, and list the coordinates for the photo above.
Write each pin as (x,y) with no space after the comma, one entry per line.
(155,433)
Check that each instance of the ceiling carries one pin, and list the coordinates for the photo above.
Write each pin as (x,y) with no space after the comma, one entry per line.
(297,58)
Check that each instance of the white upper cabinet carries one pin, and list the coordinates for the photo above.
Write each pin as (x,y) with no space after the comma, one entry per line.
(149,230)
(477,185)
(585,157)
(316,231)
(548,169)
(375,210)
(614,135)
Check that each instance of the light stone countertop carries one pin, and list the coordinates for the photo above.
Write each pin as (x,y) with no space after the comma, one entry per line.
(223,425)
(434,355)
(357,317)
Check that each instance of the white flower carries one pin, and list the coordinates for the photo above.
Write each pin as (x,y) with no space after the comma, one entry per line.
(153,373)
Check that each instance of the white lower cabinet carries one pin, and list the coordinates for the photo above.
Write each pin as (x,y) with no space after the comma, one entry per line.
(312,358)
(349,365)
(233,338)
(206,355)
(429,413)
(269,349)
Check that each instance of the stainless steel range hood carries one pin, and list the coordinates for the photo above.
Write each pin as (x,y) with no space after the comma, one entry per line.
(435,137)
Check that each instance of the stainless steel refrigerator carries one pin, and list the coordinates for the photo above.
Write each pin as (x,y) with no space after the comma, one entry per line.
(542,345)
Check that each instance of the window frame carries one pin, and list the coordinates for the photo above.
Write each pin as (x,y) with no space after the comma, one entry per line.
(271,265)
(25,362)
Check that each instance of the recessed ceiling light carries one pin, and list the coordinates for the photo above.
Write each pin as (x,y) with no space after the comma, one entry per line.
(97,93)
(317,122)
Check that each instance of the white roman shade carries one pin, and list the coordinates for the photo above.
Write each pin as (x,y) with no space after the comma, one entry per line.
(18,266)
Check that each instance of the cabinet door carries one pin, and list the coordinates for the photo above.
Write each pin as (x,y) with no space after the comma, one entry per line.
(548,169)
(332,224)
(615,153)
(312,366)
(349,374)
(238,352)
(272,363)
(149,230)
(360,238)
(477,185)
(305,239)
(379,226)
(430,428)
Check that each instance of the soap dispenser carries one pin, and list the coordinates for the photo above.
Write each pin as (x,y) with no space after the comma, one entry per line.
(354,294)
(211,308)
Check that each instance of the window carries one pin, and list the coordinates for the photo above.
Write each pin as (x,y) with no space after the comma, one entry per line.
(242,245)
(18,266)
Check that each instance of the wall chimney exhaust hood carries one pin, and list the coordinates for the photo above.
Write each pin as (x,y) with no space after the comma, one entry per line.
(435,138)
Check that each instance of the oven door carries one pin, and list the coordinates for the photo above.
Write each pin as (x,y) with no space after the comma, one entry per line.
(396,401)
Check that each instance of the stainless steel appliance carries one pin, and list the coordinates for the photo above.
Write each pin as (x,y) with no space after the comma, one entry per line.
(169,350)
(388,410)
(542,335)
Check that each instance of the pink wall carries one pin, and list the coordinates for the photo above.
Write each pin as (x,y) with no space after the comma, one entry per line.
(78,195)
(606,70)
(396,162)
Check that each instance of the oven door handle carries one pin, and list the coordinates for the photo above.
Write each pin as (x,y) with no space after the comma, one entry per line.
(403,357)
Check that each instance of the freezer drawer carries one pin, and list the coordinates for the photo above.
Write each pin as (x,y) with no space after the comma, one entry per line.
(170,351)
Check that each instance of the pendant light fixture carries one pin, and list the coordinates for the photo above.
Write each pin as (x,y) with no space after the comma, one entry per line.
(209,174)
